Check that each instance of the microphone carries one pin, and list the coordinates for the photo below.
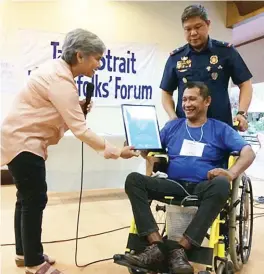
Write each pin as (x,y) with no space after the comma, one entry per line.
(89,94)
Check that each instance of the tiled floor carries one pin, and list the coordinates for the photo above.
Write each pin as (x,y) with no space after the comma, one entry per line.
(99,212)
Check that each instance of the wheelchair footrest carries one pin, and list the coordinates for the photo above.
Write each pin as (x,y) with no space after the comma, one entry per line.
(120,260)
(200,255)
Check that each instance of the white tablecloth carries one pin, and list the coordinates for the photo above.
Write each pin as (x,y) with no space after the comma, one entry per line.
(64,166)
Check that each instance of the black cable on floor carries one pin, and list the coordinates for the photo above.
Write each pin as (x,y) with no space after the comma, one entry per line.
(77,226)
(260,216)
(73,239)
(79,209)
(78,218)
(259,207)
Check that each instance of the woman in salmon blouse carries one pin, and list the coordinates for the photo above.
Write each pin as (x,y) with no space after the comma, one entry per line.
(44,109)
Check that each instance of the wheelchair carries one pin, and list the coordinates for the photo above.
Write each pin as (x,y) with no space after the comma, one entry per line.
(229,238)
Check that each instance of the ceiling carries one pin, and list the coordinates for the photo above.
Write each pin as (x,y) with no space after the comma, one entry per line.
(246,7)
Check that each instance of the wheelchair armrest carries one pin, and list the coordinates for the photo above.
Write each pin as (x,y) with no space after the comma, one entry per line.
(235,153)
(159,155)
(162,163)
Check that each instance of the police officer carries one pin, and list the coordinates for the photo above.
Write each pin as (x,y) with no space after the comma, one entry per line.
(209,61)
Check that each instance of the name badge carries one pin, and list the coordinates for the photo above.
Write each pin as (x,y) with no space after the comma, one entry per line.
(192,148)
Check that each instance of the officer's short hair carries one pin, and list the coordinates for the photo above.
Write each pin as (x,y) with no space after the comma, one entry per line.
(193,11)
(204,90)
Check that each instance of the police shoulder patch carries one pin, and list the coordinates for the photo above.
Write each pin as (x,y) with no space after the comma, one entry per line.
(222,43)
(173,52)
(177,50)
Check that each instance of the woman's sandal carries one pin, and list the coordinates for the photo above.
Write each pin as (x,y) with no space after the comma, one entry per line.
(21,262)
(46,268)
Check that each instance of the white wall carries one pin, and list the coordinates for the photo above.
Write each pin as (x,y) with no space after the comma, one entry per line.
(253,55)
(248,30)
(142,22)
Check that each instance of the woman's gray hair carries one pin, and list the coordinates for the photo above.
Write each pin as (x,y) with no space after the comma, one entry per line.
(83,41)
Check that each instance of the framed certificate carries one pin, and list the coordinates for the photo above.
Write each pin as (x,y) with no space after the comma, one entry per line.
(141,127)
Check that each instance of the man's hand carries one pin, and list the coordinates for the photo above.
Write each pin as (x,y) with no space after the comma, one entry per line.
(242,122)
(89,107)
(144,154)
(129,152)
(220,172)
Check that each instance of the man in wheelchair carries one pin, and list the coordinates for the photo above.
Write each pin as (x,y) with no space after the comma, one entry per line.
(197,148)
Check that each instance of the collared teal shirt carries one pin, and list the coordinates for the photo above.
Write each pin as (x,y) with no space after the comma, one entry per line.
(214,66)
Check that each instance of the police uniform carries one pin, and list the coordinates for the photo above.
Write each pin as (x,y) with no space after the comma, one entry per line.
(214,66)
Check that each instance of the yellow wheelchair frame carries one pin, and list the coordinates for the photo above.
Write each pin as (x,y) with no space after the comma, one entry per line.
(222,255)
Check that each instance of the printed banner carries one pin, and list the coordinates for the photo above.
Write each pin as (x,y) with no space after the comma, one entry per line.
(126,75)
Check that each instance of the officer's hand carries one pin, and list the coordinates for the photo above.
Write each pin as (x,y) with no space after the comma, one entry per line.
(129,152)
(220,172)
(243,123)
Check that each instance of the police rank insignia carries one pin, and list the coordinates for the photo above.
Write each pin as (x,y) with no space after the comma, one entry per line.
(179,65)
(184,63)
(214,75)
(213,59)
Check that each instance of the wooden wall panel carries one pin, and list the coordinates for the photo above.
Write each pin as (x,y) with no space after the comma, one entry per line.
(240,11)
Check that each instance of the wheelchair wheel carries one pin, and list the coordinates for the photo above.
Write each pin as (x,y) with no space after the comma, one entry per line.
(241,221)
(246,220)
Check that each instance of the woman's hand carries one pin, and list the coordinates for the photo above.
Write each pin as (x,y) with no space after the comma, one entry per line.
(89,107)
(111,152)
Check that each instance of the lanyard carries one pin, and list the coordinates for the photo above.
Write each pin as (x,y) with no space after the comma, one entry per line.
(191,135)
